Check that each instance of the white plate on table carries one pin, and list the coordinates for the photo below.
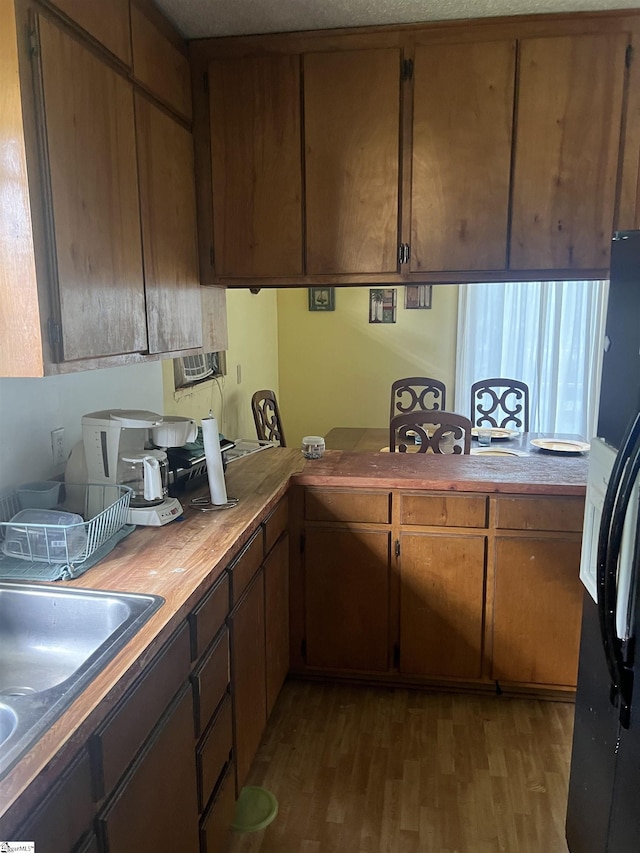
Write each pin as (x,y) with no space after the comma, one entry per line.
(497,451)
(498,433)
(561,445)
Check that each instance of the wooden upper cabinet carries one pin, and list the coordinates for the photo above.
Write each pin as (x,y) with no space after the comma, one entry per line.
(352,151)
(461,155)
(158,63)
(256,169)
(169,230)
(107,22)
(90,151)
(568,127)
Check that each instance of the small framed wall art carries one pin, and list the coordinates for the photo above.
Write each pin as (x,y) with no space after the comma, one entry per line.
(382,305)
(417,296)
(322,299)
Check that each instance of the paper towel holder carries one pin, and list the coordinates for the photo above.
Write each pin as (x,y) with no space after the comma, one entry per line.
(204,504)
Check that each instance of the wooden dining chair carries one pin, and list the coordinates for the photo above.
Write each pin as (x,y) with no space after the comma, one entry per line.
(500,402)
(267,417)
(417,393)
(435,431)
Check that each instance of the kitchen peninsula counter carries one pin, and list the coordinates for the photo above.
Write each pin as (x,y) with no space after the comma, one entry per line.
(540,473)
(182,560)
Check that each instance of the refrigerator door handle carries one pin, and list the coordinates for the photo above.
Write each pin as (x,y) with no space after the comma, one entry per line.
(624,674)
(618,495)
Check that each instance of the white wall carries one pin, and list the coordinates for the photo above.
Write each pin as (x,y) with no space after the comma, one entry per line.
(31,408)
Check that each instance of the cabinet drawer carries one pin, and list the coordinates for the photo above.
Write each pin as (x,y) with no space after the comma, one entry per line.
(374,507)
(446,510)
(276,524)
(116,742)
(540,513)
(66,812)
(213,753)
(155,807)
(246,565)
(216,823)
(208,616)
(210,680)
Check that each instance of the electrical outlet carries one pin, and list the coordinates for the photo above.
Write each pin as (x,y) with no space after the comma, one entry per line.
(57,446)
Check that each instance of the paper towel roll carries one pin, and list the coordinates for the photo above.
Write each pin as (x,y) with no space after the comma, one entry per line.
(213,456)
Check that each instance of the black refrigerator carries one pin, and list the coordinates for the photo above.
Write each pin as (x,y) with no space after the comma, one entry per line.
(603,811)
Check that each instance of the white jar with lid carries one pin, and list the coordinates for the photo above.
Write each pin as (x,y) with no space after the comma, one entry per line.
(313,446)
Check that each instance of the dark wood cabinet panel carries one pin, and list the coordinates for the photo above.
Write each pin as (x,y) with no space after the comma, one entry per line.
(539,513)
(276,603)
(65,813)
(441,604)
(209,616)
(347,506)
(156,805)
(347,583)
(108,23)
(568,126)
(537,610)
(210,679)
(352,151)
(169,230)
(461,156)
(215,825)
(158,63)
(444,510)
(256,166)
(248,667)
(214,752)
(244,568)
(95,217)
(117,740)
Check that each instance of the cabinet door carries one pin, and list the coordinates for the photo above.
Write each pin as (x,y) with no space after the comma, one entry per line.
(248,675)
(169,230)
(537,610)
(276,596)
(352,145)
(91,156)
(570,94)
(461,161)
(108,23)
(347,581)
(156,805)
(441,604)
(256,166)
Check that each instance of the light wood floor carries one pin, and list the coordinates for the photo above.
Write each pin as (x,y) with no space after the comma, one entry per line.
(371,770)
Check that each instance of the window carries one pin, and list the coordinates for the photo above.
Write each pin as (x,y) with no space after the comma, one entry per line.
(548,334)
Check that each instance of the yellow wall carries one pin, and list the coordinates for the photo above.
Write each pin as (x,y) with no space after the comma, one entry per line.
(336,368)
(253,344)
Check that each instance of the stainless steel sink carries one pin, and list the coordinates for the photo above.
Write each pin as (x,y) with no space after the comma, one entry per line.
(53,642)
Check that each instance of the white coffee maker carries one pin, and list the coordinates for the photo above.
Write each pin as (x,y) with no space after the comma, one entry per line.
(115,449)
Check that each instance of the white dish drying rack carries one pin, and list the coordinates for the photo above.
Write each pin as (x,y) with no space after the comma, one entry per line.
(53,551)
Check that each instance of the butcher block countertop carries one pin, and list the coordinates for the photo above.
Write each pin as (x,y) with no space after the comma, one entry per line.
(181,561)
(540,473)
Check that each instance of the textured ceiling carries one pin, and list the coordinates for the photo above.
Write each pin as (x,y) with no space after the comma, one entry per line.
(205,18)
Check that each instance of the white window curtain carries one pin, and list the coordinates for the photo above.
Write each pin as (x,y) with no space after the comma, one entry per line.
(548,334)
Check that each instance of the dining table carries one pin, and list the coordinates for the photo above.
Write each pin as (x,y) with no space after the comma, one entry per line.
(376,439)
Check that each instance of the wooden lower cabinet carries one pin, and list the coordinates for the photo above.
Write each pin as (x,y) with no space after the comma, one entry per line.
(216,822)
(155,807)
(537,610)
(276,602)
(441,604)
(248,667)
(347,579)
(420,586)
